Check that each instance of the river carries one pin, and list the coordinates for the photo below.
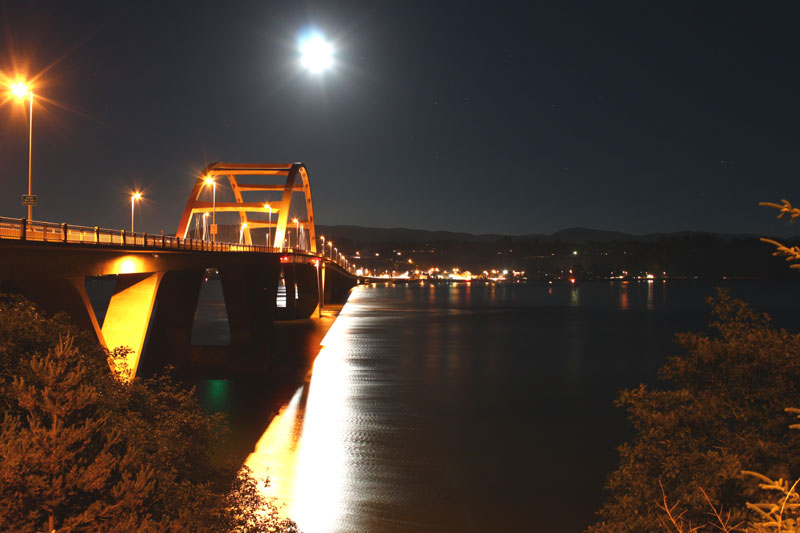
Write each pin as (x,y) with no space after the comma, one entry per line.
(464,407)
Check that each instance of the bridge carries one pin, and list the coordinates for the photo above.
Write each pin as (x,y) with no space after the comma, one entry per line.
(159,277)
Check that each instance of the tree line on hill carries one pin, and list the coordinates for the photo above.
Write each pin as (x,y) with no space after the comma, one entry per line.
(704,255)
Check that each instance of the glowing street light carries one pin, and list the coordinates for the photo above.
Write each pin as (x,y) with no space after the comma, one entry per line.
(20,90)
(209,180)
(134,197)
(241,232)
(330,245)
(316,54)
(205,226)
(269,227)
(296,232)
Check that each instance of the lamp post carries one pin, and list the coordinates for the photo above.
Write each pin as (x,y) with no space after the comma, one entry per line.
(205,228)
(296,232)
(21,90)
(211,181)
(269,226)
(241,232)
(135,196)
(323,244)
(330,253)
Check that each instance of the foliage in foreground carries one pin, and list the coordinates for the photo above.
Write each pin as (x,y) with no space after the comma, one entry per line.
(790,253)
(81,450)
(721,416)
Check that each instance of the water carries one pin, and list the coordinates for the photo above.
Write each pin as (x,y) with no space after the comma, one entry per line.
(468,407)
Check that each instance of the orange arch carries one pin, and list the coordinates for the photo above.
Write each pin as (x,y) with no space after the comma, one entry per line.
(233,172)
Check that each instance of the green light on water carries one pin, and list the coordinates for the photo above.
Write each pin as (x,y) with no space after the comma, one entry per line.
(215,395)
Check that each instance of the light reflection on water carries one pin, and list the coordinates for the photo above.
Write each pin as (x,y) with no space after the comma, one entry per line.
(302,450)
(461,408)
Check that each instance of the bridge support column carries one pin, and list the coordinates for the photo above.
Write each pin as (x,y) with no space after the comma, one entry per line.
(250,293)
(337,285)
(170,339)
(128,315)
(307,290)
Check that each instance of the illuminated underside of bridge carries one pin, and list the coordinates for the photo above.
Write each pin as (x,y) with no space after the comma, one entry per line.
(158,278)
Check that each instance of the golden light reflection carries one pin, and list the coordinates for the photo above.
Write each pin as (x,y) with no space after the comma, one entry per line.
(623,296)
(575,297)
(303,449)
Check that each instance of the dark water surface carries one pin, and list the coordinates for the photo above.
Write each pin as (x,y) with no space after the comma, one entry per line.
(468,407)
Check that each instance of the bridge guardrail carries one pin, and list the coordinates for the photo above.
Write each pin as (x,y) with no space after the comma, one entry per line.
(35,230)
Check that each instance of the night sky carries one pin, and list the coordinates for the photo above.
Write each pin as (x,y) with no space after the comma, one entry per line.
(490,117)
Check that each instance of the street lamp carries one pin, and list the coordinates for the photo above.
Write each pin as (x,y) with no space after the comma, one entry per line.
(269,226)
(296,232)
(241,232)
(323,243)
(330,254)
(205,228)
(135,196)
(20,90)
(209,180)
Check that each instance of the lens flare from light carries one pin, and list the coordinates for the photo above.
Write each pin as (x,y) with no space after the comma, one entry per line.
(316,54)
(20,90)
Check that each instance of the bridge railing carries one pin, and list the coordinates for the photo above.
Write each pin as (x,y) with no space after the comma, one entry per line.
(35,230)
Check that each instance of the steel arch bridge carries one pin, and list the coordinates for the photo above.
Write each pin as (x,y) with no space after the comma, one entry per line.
(296,180)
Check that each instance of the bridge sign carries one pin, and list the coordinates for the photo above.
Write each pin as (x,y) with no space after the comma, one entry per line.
(28,199)
(213,229)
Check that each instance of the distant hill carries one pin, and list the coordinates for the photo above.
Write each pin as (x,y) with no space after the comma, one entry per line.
(382,235)
(570,235)
(584,235)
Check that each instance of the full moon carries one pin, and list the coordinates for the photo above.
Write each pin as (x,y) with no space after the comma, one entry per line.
(316,54)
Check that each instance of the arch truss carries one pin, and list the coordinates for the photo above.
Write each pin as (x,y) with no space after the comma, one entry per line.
(296,181)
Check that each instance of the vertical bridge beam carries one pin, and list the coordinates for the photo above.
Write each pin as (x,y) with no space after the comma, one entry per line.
(169,341)
(250,291)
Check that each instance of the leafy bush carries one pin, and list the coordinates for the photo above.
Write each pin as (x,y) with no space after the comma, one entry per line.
(717,419)
(82,450)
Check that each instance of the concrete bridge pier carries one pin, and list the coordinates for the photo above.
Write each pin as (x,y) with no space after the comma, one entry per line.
(337,286)
(127,319)
(250,292)
(302,305)
(128,316)
(307,290)
(169,341)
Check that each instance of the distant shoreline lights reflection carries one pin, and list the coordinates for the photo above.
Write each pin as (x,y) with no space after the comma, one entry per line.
(302,451)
